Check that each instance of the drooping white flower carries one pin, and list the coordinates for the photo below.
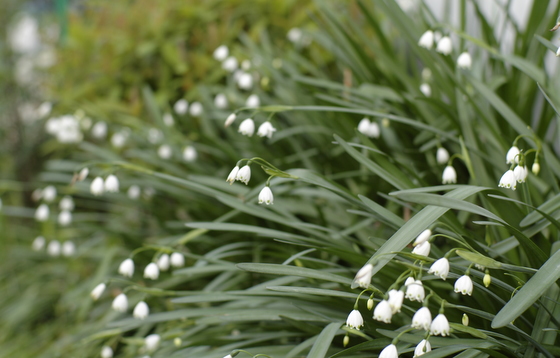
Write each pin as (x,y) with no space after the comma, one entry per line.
(141,310)
(422,249)
(422,319)
(38,244)
(363,277)
(244,174)
(66,203)
(253,101)
(54,248)
(415,291)
(369,128)
(426,89)
(229,120)
(440,268)
(118,139)
(266,130)
(99,130)
(449,175)
(423,347)
(536,168)
(97,186)
(389,352)
(440,326)
(196,109)
(221,53)
(151,271)
(230,64)
(464,285)
(126,268)
(294,35)
(83,174)
(265,196)
(396,300)
(444,46)
(423,237)
(42,213)
(383,312)
(427,40)
(508,180)
(120,303)
(64,218)
(165,151)
(68,248)
(232,175)
(355,320)
(512,155)
(111,184)
(154,135)
(24,36)
(152,342)
(409,280)
(168,119)
(189,154)
(163,262)
(364,125)
(133,192)
(247,127)
(521,173)
(49,193)
(106,352)
(98,291)
(177,259)
(442,155)
(464,61)
(245,81)
(221,101)
(181,106)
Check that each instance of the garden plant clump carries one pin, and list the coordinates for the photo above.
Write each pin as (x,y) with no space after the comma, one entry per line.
(282,179)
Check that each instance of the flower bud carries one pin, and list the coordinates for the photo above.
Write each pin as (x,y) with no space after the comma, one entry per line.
(465,319)
(487,279)
(536,168)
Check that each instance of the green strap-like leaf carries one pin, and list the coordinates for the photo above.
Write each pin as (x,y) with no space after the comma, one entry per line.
(324,340)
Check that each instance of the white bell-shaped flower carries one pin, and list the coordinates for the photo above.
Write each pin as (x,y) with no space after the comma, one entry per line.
(106,352)
(151,271)
(464,285)
(422,319)
(134,192)
(232,175)
(152,342)
(221,53)
(66,203)
(221,101)
(253,101)
(395,300)
(98,291)
(265,196)
(266,130)
(426,89)
(512,156)
(247,127)
(141,310)
(38,244)
(442,155)
(383,312)
(508,180)
(163,262)
(464,61)
(83,174)
(120,303)
(422,249)
(229,120)
(111,184)
(363,277)
(440,268)
(189,154)
(415,291)
(423,237)
(49,193)
(245,81)
(68,248)
(521,173)
(181,106)
(99,130)
(423,347)
(244,174)
(449,175)
(97,186)
(165,151)
(230,64)
(64,218)
(427,40)
(177,259)
(355,320)
(42,213)
(389,352)
(440,326)
(126,268)
(196,109)
(444,46)
(54,248)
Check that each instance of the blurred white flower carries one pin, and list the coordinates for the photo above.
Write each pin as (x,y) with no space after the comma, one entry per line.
(154,135)
(111,184)
(64,218)
(163,262)
(97,186)
(444,46)
(426,89)
(464,285)
(53,248)
(383,312)
(265,196)
(363,277)
(120,303)
(177,259)
(196,109)
(152,342)
(220,101)
(508,180)
(49,193)
(229,120)
(389,352)
(181,106)
(66,129)
(423,347)
(83,174)
(126,268)
(369,128)
(396,300)
(106,352)
(422,319)
(521,173)
(189,154)
(427,40)
(415,291)
(168,119)
(44,109)
(355,320)
(66,203)
(449,175)
(165,151)
(253,101)
(134,192)
(221,53)
(68,248)
(245,81)
(423,237)
(266,130)
(42,213)
(422,249)
(464,61)
(99,130)
(98,291)
(230,64)
(294,35)
(247,127)
(536,168)
(38,244)
(442,155)
(244,174)
(151,271)
(232,175)
(141,310)
(440,268)
(440,326)
(118,139)
(23,36)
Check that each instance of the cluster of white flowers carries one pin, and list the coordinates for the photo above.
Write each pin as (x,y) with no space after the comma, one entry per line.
(243,175)
(66,128)
(369,128)
(110,185)
(519,173)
